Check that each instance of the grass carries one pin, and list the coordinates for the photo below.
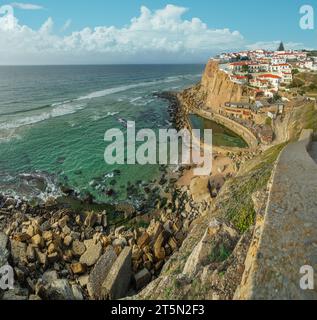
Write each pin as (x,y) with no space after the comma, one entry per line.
(306,83)
(268,121)
(220,254)
(311,118)
(236,204)
(304,118)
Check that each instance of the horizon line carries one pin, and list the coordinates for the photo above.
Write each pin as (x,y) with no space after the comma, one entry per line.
(99,64)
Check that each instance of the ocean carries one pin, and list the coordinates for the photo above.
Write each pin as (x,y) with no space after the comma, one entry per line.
(53,120)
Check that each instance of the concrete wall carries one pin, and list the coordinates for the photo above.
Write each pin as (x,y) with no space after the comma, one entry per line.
(237,128)
(286,239)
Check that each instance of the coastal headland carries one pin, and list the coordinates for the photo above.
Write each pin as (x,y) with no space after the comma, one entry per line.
(195,236)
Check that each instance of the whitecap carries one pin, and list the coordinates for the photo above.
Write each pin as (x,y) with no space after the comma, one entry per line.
(103,93)
(61,110)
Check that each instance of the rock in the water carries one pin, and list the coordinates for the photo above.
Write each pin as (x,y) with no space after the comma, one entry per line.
(100,272)
(92,254)
(142,278)
(118,280)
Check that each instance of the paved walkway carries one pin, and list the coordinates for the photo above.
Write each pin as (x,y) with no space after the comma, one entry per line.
(289,236)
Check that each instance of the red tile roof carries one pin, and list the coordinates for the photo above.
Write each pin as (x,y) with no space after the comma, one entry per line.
(272,76)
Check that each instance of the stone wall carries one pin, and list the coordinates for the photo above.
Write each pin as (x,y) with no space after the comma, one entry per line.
(286,239)
(237,128)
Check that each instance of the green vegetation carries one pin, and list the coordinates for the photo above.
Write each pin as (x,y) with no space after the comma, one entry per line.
(305,83)
(142,224)
(297,83)
(275,98)
(236,203)
(268,121)
(304,118)
(245,69)
(312,53)
(220,254)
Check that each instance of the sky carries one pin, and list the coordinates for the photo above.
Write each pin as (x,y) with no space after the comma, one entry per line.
(145,31)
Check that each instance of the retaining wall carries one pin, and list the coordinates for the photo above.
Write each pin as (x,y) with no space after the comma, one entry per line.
(237,128)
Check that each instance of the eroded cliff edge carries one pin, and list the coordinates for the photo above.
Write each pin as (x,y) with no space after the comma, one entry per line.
(214,260)
(214,90)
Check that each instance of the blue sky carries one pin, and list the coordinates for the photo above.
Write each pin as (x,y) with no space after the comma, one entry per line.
(256,22)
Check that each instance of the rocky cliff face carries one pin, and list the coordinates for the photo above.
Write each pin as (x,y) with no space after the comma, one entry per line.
(214,90)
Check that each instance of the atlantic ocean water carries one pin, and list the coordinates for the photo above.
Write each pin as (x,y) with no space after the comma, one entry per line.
(53,120)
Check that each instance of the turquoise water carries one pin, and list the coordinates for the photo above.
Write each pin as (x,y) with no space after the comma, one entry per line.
(53,120)
(221,136)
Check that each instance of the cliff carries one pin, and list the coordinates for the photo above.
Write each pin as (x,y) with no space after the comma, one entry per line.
(214,90)
(211,262)
(216,260)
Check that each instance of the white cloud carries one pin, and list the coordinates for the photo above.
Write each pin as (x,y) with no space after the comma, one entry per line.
(155,36)
(26,6)
(66,25)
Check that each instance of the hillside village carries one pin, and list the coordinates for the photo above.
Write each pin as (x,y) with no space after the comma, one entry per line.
(270,77)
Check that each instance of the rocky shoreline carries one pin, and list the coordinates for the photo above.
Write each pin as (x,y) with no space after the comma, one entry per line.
(61,251)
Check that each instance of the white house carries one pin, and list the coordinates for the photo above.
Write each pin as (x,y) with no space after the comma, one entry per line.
(273,79)
(281,67)
(239,79)
(237,66)
(278,60)
(287,77)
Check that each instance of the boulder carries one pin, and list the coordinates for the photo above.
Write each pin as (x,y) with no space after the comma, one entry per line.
(78,268)
(30,253)
(91,219)
(18,252)
(159,244)
(154,229)
(142,278)
(38,241)
(100,272)
(60,290)
(144,240)
(92,254)
(4,253)
(50,276)
(68,241)
(218,235)
(41,257)
(121,242)
(118,279)
(77,292)
(83,280)
(78,248)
